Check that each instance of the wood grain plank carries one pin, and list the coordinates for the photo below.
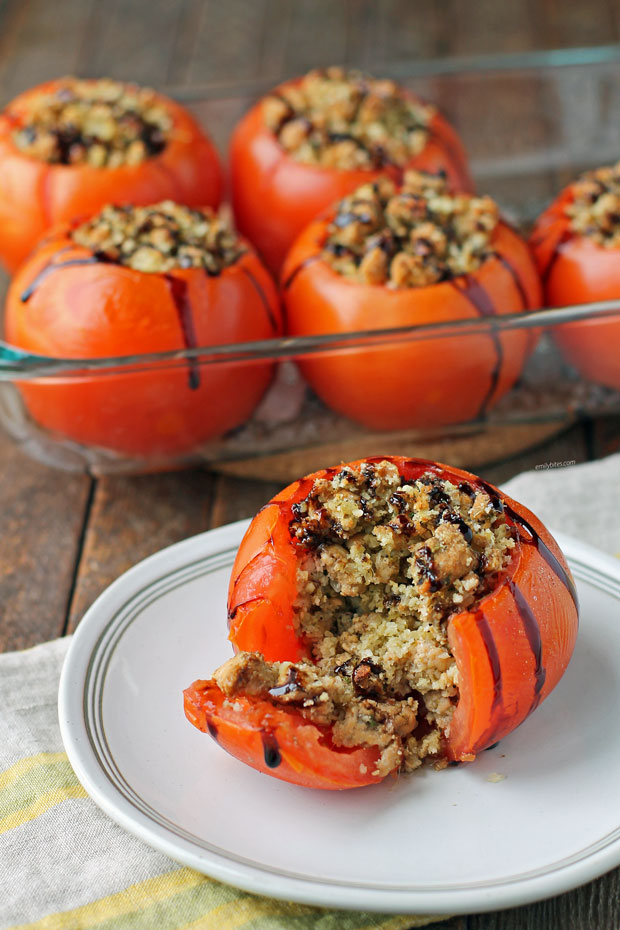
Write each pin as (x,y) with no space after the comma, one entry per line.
(595,906)
(318,35)
(562,25)
(228,45)
(275,40)
(490,27)
(605,436)
(569,447)
(239,498)
(407,32)
(43,43)
(366,32)
(42,517)
(130,40)
(131,518)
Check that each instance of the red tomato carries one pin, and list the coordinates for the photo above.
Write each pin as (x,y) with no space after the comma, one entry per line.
(36,195)
(429,382)
(510,650)
(63,302)
(576,270)
(275,197)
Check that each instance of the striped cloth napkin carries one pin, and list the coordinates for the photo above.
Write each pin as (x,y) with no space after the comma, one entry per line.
(65,866)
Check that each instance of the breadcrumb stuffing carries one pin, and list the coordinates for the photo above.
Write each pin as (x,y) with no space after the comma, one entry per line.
(161,237)
(595,209)
(409,237)
(103,123)
(346,120)
(383,564)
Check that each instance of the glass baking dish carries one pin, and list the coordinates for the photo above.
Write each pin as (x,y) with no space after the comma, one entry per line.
(530,123)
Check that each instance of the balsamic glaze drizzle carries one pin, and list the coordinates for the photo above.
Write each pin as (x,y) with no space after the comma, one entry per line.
(291,684)
(251,600)
(516,277)
(564,237)
(484,307)
(491,649)
(271,750)
(307,261)
(532,631)
(52,266)
(178,292)
(552,561)
(263,297)
(211,727)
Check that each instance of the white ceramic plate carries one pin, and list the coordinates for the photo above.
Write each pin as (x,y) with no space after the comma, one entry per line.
(434,842)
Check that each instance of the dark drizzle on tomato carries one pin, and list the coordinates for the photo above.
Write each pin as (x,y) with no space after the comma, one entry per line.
(307,261)
(484,307)
(551,560)
(263,298)
(183,307)
(177,287)
(271,750)
(251,600)
(97,258)
(516,277)
(211,727)
(564,236)
(532,631)
(491,650)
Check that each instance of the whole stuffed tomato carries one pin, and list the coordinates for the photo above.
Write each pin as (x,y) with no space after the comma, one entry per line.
(393,258)
(70,146)
(315,139)
(387,612)
(576,243)
(136,280)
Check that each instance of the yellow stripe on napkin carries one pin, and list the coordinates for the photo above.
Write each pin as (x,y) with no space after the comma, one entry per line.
(186,900)
(181,899)
(33,785)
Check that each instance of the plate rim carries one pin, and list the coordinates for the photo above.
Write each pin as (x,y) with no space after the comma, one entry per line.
(509,892)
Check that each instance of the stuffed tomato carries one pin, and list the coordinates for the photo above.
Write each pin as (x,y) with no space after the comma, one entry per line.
(133,281)
(70,146)
(386,613)
(388,258)
(576,243)
(315,139)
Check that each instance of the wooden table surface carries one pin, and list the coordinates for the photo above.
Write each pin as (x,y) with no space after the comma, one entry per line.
(66,536)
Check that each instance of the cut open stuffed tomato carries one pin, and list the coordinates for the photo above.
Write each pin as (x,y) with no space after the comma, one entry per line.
(401,258)
(576,243)
(313,140)
(69,146)
(386,613)
(133,281)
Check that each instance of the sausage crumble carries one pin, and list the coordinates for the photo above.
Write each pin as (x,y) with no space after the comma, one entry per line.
(383,564)
(102,123)
(161,237)
(595,209)
(346,120)
(413,236)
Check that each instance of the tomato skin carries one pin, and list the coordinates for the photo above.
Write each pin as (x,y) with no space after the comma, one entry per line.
(576,270)
(274,197)
(255,731)
(36,195)
(424,383)
(98,310)
(510,651)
